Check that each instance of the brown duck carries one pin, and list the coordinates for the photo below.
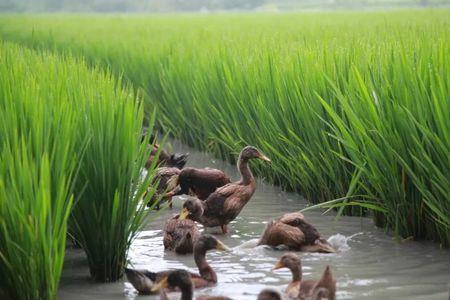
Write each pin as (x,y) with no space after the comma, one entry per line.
(164,158)
(165,179)
(181,279)
(225,204)
(293,231)
(144,281)
(180,234)
(306,289)
(199,182)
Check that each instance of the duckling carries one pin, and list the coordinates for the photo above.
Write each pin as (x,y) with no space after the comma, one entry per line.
(143,280)
(306,289)
(165,179)
(180,233)
(225,204)
(293,231)
(199,182)
(181,279)
(269,294)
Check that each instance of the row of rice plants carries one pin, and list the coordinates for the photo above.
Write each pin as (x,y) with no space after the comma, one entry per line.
(344,103)
(70,153)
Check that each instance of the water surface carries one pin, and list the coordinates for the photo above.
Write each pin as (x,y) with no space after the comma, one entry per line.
(369,265)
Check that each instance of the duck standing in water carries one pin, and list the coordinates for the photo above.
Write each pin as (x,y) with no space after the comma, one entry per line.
(180,234)
(144,281)
(225,204)
(324,288)
(293,231)
(181,279)
(199,182)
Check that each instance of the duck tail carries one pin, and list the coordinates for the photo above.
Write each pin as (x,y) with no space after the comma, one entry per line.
(178,160)
(328,282)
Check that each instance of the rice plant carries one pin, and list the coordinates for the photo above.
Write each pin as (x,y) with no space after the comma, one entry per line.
(37,163)
(326,95)
(71,153)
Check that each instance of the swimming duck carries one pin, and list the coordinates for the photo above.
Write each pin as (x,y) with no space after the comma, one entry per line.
(269,294)
(181,279)
(144,280)
(199,182)
(180,234)
(293,231)
(306,289)
(225,204)
(165,179)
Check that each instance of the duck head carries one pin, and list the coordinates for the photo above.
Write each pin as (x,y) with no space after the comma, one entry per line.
(174,279)
(269,294)
(250,152)
(320,245)
(192,209)
(208,242)
(292,262)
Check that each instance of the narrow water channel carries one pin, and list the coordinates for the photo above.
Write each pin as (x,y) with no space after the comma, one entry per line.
(369,265)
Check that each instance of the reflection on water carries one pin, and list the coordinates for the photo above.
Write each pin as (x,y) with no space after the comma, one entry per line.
(369,264)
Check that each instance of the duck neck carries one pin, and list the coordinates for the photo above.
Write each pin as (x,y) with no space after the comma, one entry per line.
(246,173)
(206,272)
(297,272)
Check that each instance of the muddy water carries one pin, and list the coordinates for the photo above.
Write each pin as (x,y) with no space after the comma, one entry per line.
(369,265)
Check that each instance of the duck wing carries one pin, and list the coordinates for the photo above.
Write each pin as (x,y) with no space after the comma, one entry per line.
(218,203)
(306,289)
(143,280)
(296,219)
(179,235)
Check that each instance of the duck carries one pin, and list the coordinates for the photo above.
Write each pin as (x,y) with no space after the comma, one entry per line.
(293,231)
(181,279)
(165,178)
(199,182)
(180,234)
(269,294)
(225,204)
(144,280)
(165,159)
(298,288)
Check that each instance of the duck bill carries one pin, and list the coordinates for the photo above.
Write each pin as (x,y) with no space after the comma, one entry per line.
(221,246)
(264,158)
(278,265)
(184,213)
(162,284)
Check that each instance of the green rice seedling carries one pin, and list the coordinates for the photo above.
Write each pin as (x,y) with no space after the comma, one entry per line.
(37,163)
(325,95)
(109,211)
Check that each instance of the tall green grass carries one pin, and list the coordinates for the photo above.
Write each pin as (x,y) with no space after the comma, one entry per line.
(71,153)
(326,95)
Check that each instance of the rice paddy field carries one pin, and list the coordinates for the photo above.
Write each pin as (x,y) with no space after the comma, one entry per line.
(353,108)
